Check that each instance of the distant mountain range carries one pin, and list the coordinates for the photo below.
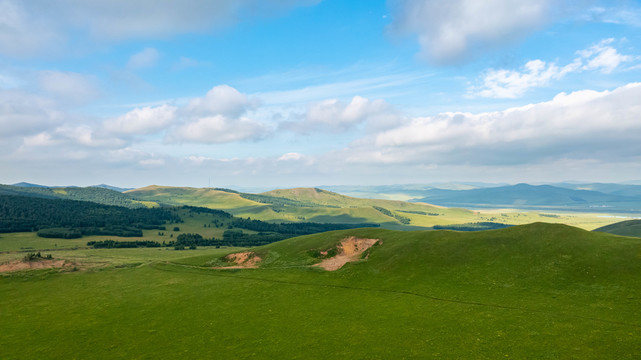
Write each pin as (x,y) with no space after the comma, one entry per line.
(29,185)
(103,186)
(611,198)
(95,194)
(571,196)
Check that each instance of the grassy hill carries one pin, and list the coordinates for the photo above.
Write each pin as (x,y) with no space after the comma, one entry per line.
(534,291)
(92,194)
(308,204)
(624,228)
(316,205)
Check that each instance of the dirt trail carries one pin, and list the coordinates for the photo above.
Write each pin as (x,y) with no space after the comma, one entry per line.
(243,260)
(30,265)
(350,249)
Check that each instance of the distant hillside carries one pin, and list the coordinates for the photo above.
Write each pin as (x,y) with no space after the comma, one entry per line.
(206,197)
(92,194)
(624,228)
(29,185)
(402,192)
(608,188)
(114,188)
(30,213)
(307,204)
(530,196)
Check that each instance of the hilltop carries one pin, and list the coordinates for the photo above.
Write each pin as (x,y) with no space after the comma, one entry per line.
(323,206)
(530,255)
(624,228)
(98,195)
(307,204)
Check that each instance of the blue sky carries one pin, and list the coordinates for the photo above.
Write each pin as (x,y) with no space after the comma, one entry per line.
(281,93)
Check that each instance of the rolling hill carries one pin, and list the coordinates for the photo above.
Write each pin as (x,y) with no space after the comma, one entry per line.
(308,204)
(531,196)
(92,194)
(624,228)
(532,291)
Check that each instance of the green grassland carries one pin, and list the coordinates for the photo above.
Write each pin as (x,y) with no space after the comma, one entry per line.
(625,228)
(316,205)
(536,291)
(14,245)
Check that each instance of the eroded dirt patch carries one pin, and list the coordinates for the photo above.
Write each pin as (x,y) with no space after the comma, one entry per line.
(350,249)
(19,265)
(241,260)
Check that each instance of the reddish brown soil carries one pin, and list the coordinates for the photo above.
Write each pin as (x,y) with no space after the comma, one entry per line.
(350,249)
(242,260)
(31,265)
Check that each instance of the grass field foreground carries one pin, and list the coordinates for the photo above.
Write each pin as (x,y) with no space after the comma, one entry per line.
(536,291)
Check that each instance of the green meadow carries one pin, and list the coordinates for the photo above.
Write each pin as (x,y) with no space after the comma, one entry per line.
(535,291)
(316,205)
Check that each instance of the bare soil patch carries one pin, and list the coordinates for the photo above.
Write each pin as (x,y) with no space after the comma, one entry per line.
(19,265)
(242,260)
(349,250)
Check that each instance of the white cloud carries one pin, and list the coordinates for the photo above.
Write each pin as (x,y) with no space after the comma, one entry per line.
(504,83)
(140,121)
(73,136)
(621,14)
(36,26)
(152,162)
(8,81)
(291,156)
(450,31)
(218,117)
(165,17)
(68,86)
(602,57)
(24,114)
(145,58)
(24,31)
(511,84)
(42,139)
(333,115)
(218,129)
(221,100)
(582,125)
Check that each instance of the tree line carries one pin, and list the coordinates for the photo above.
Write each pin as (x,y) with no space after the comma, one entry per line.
(294,229)
(91,194)
(402,219)
(23,213)
(477,226)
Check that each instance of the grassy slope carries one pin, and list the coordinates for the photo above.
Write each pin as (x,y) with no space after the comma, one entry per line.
(14,245)
(92,194)
(624,228)
(344,209)
(334,207)
(538,291)
(192,196)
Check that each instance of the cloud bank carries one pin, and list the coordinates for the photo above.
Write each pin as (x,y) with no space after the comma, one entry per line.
(33,27)
(510,84)
(453,31)
(580,125)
